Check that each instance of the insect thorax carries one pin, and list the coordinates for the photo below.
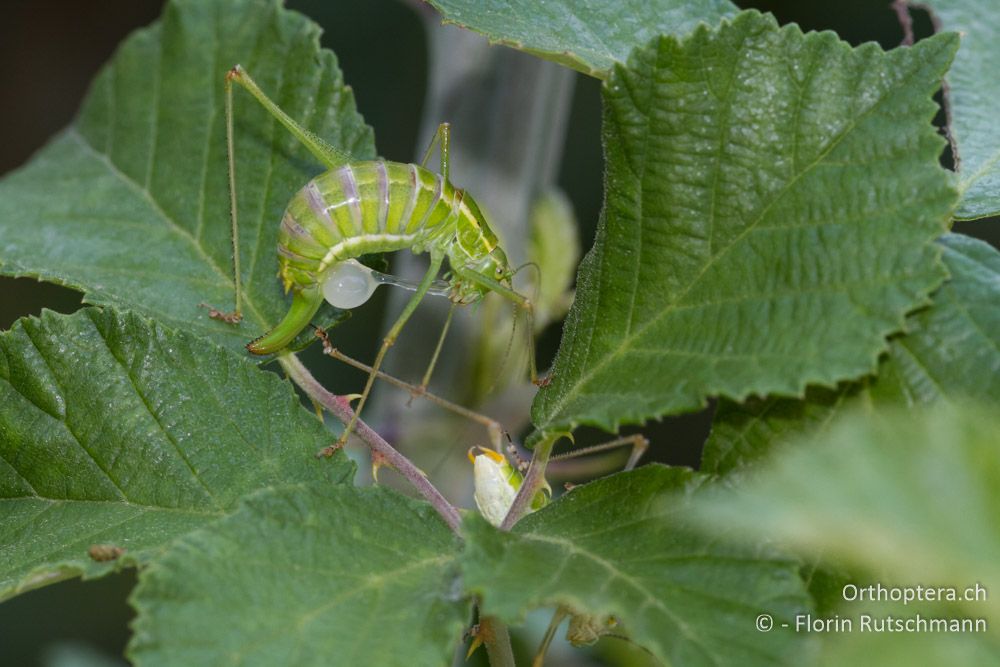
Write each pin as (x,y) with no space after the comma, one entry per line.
(377,206)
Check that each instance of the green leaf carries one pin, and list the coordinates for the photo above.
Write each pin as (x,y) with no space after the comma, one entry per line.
(131,204)
(951,351)
(771,202)
(553,243)
(587,35)
(306,575)
(624,545)
(912,495)
(907,649)
(117,432)
(973,98)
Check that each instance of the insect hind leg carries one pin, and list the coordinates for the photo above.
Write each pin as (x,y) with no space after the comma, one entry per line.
(638,442)
(236,316)
(330,156)
(426,380)
(494,429)
(441,136)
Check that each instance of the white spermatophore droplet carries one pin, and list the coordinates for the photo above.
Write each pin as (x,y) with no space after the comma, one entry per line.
(348,284)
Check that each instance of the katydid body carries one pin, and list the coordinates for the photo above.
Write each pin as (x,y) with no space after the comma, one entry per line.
(377,206)
(359,207)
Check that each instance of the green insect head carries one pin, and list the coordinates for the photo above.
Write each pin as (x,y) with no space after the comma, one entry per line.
(494,267)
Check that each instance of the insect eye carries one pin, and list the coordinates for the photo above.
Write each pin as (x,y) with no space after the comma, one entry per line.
(499,271)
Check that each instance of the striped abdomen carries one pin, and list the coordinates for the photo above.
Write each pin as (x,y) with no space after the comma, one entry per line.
(376,206)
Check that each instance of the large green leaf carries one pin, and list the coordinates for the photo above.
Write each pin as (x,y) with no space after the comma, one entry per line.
(587,35)
(896,649)
(624,545)
(911,496)
(306,575)
(951,352)
(131,204)
(771,203)
(973,99)
(117,432)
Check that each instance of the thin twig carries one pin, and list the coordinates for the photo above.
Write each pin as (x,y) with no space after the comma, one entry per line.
(945,89)
(502,654)
(902,9)
(340,407)
(534,480)
(557,618)
(497,641)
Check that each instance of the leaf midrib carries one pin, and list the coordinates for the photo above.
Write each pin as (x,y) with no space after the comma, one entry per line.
(118,503)
(565,398)
(298,623)
(170,223)
(569,548)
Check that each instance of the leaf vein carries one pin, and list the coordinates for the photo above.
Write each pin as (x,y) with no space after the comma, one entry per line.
(127,372)
(562,400)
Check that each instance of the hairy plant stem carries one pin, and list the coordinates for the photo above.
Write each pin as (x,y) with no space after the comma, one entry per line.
(497,642)
(498,646)
(533,482)
(902,9)
(340,407)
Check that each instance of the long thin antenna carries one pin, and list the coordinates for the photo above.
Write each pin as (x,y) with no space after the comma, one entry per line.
(506,353)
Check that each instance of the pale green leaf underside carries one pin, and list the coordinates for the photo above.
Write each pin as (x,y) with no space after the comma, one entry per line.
(306,575)
(895,649)
(131,204)
(624,545)
(973,98)
(114,431)
(771,202)
(951,352)
(587,35)
(910,495)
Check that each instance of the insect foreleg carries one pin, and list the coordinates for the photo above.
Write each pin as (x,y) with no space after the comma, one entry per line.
(390,338)
(324,152)
(523,303)
(441,136)
(437,352)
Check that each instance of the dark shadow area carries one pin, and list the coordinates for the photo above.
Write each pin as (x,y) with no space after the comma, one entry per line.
(93,614)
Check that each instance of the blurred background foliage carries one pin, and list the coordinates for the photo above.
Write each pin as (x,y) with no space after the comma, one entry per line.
(49,52)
